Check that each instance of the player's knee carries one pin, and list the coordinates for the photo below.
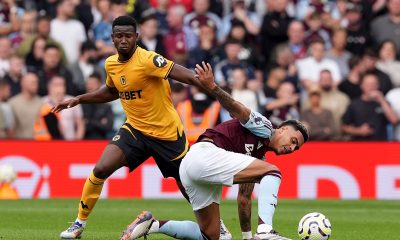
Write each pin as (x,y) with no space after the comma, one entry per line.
(101,171)
(272,170)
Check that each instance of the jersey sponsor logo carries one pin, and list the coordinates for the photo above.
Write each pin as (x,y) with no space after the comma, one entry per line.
(122,79)
(130,95)
(116,137)
(249,148)
(159,61)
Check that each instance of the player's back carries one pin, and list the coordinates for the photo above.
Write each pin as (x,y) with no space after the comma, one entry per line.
(145,93)
(232,136)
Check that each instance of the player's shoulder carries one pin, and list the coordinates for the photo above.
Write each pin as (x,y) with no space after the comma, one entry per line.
(151,58)
(111,59)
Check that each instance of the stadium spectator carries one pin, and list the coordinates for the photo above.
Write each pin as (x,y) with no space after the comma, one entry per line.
(42,32)
(136,8)
(26,107)
(202,16)
(393,97)
(369,61)
(6,114)
(250,52)
(149,37)
(367,117)
(240,92)
(309,68)
(207,50)
(351,85)
(296,33)
(98,118)
(34,58)
(224,68)
(180,38)
(14,75)
(179,93)
(275,77)
(316,31)
(198,113)
(64,27)
(6,51)
(285,60)
(358,34)
(387,62)
(84,14)
(71,120)
(161,8)
(338,52)
(331,99)
(103,29)
(52,67)
(274,27)
(284,106)
(85,66)
(10,14)
(250,19)
(387,27)
(319,120)
(26,30)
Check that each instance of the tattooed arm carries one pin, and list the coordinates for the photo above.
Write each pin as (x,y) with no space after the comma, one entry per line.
(235,108)
(244,205)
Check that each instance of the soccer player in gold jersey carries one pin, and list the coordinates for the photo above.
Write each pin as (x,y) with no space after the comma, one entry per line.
(153,128)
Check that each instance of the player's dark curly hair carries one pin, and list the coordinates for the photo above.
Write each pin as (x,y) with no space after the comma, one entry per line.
(298,126)
(125,21)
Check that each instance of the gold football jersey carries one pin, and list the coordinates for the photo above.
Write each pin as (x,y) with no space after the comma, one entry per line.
(145,93)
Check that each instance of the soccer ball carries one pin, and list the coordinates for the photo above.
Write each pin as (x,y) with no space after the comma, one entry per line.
(7,173)
(314,226)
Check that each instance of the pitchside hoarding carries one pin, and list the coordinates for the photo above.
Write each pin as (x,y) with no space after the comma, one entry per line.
(319,170)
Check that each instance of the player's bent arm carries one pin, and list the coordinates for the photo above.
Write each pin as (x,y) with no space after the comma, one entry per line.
(102,95)
(184,75)
(244,205)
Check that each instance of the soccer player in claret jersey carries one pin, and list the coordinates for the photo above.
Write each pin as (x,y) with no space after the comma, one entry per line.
(225,155)
(153,127)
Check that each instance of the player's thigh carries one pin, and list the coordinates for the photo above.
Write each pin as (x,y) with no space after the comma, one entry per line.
(123,150)
(208,220)
(208,163)
(168,154)
(254,172)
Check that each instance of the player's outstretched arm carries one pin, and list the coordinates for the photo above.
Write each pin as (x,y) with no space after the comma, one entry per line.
(102,95)
(235,108)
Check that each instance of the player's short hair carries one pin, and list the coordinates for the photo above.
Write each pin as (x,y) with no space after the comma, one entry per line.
(125,21)
(297,126)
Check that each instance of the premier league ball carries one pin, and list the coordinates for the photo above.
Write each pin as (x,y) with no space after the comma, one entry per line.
(314,226)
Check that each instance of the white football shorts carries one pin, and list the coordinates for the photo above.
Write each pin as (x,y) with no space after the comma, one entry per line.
(206,168)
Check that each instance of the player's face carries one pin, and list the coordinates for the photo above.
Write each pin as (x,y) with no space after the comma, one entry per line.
(286,140)
(124,38)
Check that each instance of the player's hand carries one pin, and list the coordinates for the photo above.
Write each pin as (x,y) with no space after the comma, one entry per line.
(205,75)
(66,104)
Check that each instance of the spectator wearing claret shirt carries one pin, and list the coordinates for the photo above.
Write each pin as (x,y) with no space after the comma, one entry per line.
(179,37)
(202,16)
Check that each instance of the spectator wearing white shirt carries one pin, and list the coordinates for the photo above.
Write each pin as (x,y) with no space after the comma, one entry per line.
(309,68)
(68,32)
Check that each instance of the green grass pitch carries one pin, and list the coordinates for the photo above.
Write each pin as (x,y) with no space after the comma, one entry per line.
(45,219)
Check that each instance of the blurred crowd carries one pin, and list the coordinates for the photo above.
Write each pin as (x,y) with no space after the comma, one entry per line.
(331,64)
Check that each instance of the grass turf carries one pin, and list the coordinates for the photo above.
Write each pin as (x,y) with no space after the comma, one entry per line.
(45,219)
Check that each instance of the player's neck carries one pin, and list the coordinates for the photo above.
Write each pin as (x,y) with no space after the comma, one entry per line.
(123,57)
